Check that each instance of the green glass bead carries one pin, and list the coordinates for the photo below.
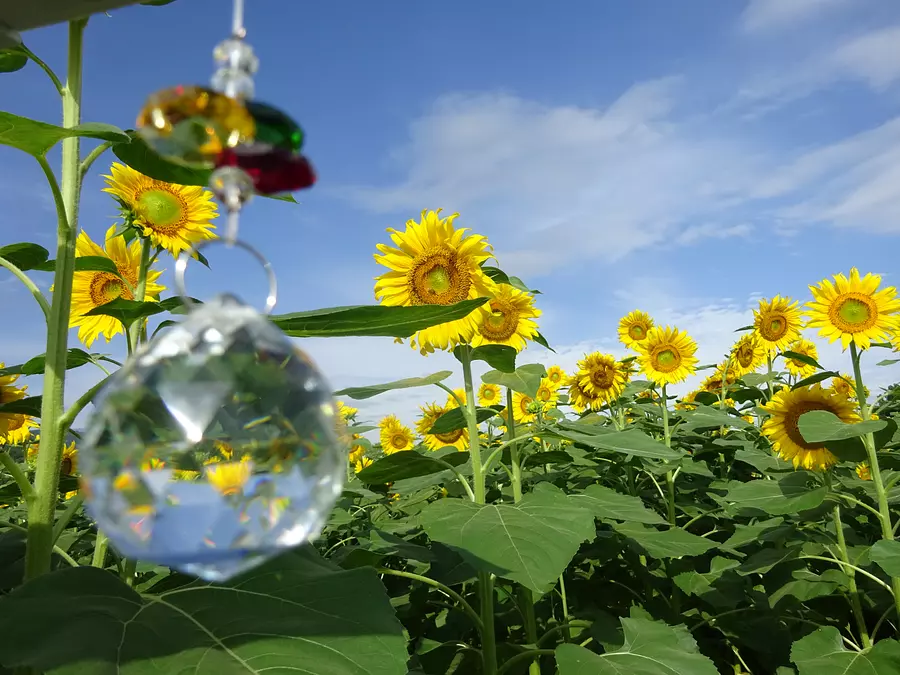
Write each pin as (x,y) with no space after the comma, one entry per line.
(275,128)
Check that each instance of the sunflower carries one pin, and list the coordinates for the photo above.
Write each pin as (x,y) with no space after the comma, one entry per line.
(854,310)
(229,478)
(747,354)
(799,368)
(713,383)
(555,376)
(93,289)
(579,399)
(18,429)
(687,402)
(509,319)
(648,395)
(361,464)
(431,412)
(395,437)
(781,427)
(846,386)
(489,394)
(633,329)
(174,217)
(547,396)
(433,263)
(667,355)
(346,412)
(777,323)
(863,471)
(68,465)
(601,377)
(9,393)
(452,398)
(356,453)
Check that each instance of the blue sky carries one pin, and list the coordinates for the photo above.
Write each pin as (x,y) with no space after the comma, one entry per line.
(682,158)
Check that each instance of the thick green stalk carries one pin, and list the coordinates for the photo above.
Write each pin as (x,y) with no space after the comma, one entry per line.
(851,581)
(769,378)
(887,530)
(140,291)
(42,509)
(101,544)
(667,437)
(514,457)
(567,635)
(488,636)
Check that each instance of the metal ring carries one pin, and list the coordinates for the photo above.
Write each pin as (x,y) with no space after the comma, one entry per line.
(181,265)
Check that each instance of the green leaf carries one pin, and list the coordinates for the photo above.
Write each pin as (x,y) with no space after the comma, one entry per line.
(141,157)
(297,609)
(500,277)
(631,442)
(30,406)
(746,534)
(501,357)
(818,426)
(372,320)
(25,256)
(360,393)
(814,379)
(74,358)
(887,362)
(36,138)
(127,311)
(531,542)
(778,498)
(650,648)
(12,60)
(408,464)
(756,379)
(802,358)
(886,554)
(607,504)
(455,419)
(525,379)
(671,543)
(822,652)
(704,417)
(96,263)
(542,341)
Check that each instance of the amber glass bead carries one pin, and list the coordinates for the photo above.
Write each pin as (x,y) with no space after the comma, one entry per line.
(274,127)
(272,170)
(194,123)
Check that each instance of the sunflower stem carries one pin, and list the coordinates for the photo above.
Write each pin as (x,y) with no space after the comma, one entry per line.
(769,375)
(29,284)
(92,157)
(12,466)
(887,530)
(41,511)
(514,458)
(140,292)
(101,544)
(43,66)
(851,581)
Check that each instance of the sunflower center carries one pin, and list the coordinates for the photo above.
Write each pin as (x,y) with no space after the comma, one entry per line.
(666,359)
(488,395)
(854,312)
(603,377)
(106,287)
(398,440)
(555,377)
(15,421)
(65,468)
(450,437)
(543,395)
(501,323)
(792,420)
(438,277)
(774,327)
(163,211)
(744,355)
(637,332)
(524,403)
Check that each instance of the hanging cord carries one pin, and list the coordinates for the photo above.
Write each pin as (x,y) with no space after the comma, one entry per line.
(237,20)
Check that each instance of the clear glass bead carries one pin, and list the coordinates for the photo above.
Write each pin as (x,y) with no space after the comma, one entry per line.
(236,54)
(217,446)
(233,82)
(232,186)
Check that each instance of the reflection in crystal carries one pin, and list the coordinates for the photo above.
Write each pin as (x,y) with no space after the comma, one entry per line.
(210,460)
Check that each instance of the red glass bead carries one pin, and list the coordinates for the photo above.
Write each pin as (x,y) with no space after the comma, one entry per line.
(272,170)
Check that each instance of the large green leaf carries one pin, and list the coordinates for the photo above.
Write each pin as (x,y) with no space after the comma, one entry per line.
(36,138)
(129,311)
(141,157)
(706,417)
(408,464)
(818,426)
(822,652)
(531,542)
(297,610)
(500,357)
(12,60)
(25,256)
(608,504)
(650,648)
(746,534)
(524,379)
(27,406)
(74,358)
(778,498)
(372,320)
(631,442)
(454,419)
(886,554)
(671,543)
(360,393)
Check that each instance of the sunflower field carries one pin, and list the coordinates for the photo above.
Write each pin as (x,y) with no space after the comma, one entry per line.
(533,521)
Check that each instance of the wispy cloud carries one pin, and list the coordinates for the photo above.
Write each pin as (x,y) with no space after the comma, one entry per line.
(771,15)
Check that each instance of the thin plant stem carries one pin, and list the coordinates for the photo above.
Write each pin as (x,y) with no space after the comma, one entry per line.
(522,656)
(18,475)
(129,571)
(576,623)
(29,284)
(565,608)
(769,376)
(101,544)
(140,291)
(514,458)
(855,502)
(92,157)
(496,451)
(68,417)
(47,69)
(851,580)
(887,530)
(67,515)
(42,509)
(843,564)
(667,438)
(446,590)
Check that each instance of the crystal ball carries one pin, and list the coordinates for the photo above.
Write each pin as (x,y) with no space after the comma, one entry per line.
(215,447)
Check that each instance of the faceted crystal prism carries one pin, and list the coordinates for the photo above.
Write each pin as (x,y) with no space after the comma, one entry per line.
(193,124)
(216,446)
(274,127)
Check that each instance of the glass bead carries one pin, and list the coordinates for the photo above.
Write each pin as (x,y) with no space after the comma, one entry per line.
(273,171)
(232,186)
(236,54)
(217,446)
(233,83)
(273,127)
(193,124)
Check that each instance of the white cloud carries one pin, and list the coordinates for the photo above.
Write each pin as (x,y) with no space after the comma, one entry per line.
(873,57)
(770,15)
